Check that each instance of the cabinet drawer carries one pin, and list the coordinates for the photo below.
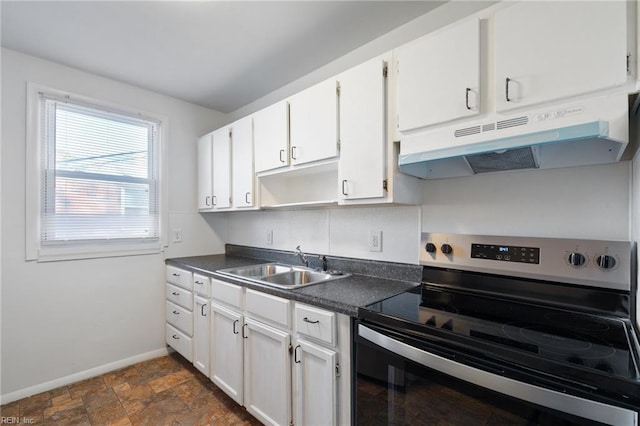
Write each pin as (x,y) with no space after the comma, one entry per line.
(179,277)
(272,308)
(230,294)
(316,323)
(201,285)
(180,296)
(180,318)
(180,342)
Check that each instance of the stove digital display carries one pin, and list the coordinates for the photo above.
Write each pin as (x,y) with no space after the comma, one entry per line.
(506,253)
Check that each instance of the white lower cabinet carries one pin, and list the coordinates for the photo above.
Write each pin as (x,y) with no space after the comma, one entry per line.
(227,361)
(315,370)
(201,334)
(179,311)
(267,373)
(253,360)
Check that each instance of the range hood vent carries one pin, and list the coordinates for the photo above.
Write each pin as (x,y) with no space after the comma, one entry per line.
(510,159)
(593,131)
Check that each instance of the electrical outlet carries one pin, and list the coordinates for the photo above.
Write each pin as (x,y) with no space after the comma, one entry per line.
(375,240)
(177,235)
(270,237)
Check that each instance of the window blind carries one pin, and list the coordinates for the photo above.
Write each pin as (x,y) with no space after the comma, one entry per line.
(99,175)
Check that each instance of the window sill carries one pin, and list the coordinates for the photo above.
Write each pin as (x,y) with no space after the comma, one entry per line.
(74,252)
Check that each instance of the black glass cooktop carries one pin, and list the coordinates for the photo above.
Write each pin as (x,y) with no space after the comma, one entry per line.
(597,343)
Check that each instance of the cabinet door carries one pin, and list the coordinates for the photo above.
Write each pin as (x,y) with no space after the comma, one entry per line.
(439,77)
(271,137)
(226,351)
(314,123)
(361,168)
(553,50)
(221,168)
(242,163)
(316,385)
(201,335)
(205,172)
(267,373)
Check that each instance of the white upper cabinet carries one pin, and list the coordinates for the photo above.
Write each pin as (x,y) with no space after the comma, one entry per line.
(439,77)
(552,50)
(271,137)
(314,123)
(222,168)
(242,163)
(205,172)
(361,168)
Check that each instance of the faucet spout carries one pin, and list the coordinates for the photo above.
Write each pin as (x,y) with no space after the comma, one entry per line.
(302,256)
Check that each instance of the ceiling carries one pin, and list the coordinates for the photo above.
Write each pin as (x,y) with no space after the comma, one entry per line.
(218,54)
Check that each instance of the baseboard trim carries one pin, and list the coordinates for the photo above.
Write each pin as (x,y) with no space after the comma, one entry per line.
(82,375)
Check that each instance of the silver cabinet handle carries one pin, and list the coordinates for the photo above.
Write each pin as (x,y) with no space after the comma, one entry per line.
(296,358)
(235,331)
(199,282)
(506,89)
(176,337)
(246,198)
(175,293)
(206,200)
(466,98)
(176,313)
(214,200)
(344,191)
(281,154)
(305,319)
(176,275)
(202,312)
(293,152)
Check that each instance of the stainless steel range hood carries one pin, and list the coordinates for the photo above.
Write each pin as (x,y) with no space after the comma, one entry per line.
(582,132)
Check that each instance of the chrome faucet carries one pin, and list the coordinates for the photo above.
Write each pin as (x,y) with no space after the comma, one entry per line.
(302,256)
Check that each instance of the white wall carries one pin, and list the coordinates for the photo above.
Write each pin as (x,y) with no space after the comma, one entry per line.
(63,320)
(342,231)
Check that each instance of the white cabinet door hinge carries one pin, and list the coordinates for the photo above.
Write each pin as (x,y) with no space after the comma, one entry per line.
(385,70)
(628,63)
(337,370)
(338,88)
(385,185)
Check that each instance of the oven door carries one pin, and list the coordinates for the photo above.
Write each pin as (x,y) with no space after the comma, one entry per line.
(399,384)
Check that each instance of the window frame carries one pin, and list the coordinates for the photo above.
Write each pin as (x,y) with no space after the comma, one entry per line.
(85,249)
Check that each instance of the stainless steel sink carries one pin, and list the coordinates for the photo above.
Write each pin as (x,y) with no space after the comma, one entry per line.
(282,276)
(258,271)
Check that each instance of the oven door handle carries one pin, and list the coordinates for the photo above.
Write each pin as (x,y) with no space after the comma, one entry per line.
(535,394)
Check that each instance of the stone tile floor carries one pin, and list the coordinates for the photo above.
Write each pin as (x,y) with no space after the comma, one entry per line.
(162,391)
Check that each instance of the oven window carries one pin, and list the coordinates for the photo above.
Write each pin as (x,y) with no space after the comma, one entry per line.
(393,391)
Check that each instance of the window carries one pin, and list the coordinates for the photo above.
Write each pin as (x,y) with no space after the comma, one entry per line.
(98,178)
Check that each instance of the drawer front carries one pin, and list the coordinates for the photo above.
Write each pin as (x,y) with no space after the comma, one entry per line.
(266,306)
(180,277)
(230,294)
(201,285)
(180,318)
(180,342)
(180,296)
(316,323)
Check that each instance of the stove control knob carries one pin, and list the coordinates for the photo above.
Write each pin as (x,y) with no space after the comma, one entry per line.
(446,249)
(430,248)
(606,262)
(576,259)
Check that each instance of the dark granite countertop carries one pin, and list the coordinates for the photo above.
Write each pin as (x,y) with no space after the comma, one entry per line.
(342,295)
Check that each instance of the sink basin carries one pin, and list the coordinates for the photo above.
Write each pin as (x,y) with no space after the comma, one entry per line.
(258,271)
(282,276)
(297,278)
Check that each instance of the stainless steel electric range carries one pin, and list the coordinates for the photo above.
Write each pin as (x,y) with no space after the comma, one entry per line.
(504,330)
